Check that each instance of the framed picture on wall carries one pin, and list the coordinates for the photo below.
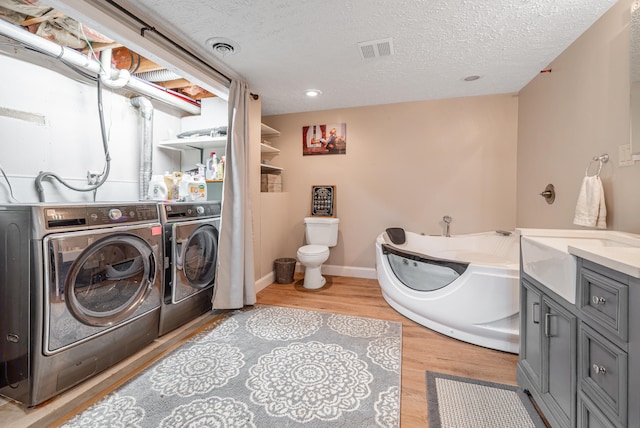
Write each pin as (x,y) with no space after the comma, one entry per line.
(328,139)
(323,201)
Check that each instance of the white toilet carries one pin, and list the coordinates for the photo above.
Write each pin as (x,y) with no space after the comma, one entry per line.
(321,233)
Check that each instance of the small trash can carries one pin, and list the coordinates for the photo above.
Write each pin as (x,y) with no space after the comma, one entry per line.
(284,269)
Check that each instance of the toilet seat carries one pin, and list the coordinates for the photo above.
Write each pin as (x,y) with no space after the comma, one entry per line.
(313,250)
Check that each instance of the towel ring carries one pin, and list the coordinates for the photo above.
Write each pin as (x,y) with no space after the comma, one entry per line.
(601,160)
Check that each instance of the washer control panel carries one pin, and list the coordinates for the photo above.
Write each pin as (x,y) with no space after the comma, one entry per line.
(69,216)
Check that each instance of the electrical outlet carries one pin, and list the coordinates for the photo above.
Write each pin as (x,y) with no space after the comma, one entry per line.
(624,155)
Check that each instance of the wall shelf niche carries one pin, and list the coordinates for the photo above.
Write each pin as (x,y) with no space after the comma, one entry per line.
(271,175)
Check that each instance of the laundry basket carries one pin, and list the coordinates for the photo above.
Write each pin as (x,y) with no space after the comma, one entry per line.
(284,269)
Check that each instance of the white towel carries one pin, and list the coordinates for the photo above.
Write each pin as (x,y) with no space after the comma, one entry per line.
(590,208)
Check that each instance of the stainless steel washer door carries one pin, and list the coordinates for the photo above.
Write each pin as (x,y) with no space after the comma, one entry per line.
(98,280)
(110,280)
(195,253)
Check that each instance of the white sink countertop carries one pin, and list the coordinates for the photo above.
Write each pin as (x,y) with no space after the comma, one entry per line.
(616,250)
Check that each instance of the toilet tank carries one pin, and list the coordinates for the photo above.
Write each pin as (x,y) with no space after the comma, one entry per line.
(321,231)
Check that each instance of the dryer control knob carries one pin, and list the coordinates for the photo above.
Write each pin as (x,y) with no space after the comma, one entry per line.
(200,210)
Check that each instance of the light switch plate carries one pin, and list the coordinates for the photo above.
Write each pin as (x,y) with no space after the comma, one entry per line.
(624,155)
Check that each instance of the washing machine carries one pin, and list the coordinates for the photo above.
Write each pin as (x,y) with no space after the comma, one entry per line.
(191,232)
(80,290)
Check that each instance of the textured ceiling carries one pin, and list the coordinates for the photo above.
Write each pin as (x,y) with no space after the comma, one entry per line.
(287,46)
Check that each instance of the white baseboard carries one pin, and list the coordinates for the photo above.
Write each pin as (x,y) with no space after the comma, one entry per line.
(265,281)
(352,271)
(334,270)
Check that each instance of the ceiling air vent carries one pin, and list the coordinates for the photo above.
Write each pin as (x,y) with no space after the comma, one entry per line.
(223,47)
(376,48)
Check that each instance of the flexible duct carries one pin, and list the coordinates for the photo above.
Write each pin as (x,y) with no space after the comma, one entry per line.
(77,59)
(146,148)
(158,76)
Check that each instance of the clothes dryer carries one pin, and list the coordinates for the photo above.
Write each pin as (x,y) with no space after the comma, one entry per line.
(79,292)
(191,232)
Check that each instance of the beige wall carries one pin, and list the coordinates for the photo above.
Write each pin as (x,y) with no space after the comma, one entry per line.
(566,117)
(275,232)
(406,165)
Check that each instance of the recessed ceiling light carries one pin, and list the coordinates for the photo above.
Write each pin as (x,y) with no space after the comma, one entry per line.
(471,78)
(312,93)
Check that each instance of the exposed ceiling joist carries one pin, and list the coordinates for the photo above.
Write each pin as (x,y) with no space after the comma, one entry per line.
(66,32)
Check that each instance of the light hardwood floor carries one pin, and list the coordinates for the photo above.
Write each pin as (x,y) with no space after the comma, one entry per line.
(422,349)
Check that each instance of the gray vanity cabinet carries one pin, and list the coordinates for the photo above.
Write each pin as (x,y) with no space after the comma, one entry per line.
(581,362)
(548,353)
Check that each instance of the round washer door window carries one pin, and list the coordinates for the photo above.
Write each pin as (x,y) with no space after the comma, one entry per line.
(110,279)
(199,256)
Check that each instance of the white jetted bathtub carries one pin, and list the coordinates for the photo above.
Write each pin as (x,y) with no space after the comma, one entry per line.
(464,286)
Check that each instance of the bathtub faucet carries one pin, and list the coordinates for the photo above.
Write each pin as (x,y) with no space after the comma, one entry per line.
(447,220)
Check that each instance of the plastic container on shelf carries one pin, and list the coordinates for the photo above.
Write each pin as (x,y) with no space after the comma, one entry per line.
(220,170)
(211,170)
(157,188)
(177,178)
(169,183)
(192,189)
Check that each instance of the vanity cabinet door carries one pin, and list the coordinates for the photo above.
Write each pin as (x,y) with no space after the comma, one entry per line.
(559,368)
(547,362)
(530,338)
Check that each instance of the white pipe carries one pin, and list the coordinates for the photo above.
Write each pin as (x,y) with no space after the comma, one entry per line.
(146,150)
(73,57)
(107,78)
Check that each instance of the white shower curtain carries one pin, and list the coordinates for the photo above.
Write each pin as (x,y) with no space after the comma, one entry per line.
(235,285)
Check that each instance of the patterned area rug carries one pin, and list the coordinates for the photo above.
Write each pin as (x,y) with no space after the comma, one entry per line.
(459,402)
(266,366)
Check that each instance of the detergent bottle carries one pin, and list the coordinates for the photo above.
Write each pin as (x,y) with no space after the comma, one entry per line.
(192,189)
(157,188)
